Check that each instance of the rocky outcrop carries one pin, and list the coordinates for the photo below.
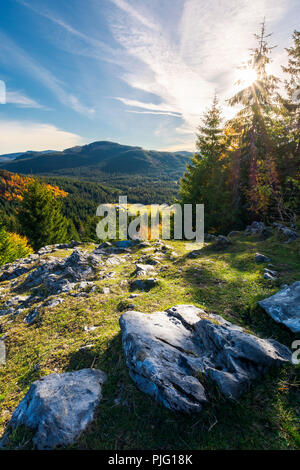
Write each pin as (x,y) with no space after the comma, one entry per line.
(170,353)
(13,270)
(59,407)
(284,307)
(61,275)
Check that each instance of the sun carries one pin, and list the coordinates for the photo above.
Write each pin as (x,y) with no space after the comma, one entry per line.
(246,77)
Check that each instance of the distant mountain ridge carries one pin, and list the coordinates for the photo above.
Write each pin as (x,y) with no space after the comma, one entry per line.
(13,156)
(98,157)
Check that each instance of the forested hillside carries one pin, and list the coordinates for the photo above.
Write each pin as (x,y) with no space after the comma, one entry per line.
(92,160)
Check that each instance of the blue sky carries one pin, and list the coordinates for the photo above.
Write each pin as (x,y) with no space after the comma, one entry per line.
(138,72)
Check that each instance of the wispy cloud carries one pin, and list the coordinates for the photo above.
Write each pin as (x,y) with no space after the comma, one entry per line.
(156,108)
(127,8)
(21,100)
(11,53)
(88,45)
(34,136)
(184,69)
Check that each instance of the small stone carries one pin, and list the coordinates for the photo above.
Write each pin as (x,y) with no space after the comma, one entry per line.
(90,328)
(31,317)
(2,351)
(269,277)
(105,290)
(133,296)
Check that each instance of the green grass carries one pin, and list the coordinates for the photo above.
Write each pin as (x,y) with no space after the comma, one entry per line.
(227,283)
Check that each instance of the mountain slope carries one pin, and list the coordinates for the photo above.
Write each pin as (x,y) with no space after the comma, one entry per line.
(100,157)
(82,330)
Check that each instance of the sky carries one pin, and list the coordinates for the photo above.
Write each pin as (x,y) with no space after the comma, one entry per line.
(137,72)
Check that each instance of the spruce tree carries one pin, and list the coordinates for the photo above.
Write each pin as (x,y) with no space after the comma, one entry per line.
(253,123)
(204,179)
(40,216)
(289,144)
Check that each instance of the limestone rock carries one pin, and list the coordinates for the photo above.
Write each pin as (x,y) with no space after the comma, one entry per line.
(168,352)
(284,307)
(59,407)
(143,269)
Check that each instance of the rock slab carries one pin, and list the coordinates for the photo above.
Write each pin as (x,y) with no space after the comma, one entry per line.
(59,407)
(168,354)
(284,307)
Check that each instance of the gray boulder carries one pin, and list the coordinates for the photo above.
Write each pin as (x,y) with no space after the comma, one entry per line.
(59,407)
(168,353)
(143,269)
(259,258)
(284,307)
(221,242)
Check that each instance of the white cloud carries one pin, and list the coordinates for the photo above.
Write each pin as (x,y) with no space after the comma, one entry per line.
(17,136)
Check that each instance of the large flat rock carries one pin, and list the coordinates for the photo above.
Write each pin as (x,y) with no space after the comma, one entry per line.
(168,354)
(284,307)
(59,407)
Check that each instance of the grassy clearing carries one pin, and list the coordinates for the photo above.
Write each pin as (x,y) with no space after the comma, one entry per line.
(226,283)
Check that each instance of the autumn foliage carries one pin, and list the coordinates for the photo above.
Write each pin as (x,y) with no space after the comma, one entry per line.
(12,247)
(13,186)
